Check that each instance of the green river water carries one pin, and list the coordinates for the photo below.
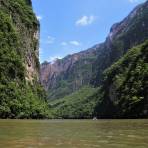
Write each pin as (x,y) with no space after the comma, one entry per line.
(73,134)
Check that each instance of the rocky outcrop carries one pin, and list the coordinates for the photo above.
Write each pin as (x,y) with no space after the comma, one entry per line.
(130,32)
(21,96)
(28,31)
(123,26)
(121,71)
(124,93)
(73,71)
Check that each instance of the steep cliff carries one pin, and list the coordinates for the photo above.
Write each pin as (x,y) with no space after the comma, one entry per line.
(123,92)
(86,68)
(130,32)
(122,89)
(21,93)
(27,29)
(125,86)
(68,74)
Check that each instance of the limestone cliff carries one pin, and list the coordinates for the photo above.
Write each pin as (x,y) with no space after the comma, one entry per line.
(86,68)
(21,96)
(120,71)
(67,75)
(27,28)
(124,93)
(131,31)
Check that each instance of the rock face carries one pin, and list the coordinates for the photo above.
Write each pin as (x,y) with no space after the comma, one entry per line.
(130,32)
(68,74)
(28,31)
(123,26)
(125,90)
(21,96)
(86,68)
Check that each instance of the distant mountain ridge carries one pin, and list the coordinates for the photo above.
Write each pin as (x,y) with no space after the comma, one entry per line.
(133,30)
(67,75)
(86,68)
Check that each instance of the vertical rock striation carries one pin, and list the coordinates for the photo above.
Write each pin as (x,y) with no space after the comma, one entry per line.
(21,95)
(69,74)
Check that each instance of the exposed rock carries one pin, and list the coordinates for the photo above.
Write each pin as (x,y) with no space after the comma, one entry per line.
(86,68)
(125,90)
(29,34)
(130,32)
(50,72)
(21,95)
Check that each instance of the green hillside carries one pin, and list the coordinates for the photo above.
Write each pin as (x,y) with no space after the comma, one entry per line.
(78,105)
(125,86)
(18,98)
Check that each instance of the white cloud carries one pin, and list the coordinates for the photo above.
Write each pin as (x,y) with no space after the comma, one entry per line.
(75,43)
(64,44)
(50,40)
(39,17)
(85,20)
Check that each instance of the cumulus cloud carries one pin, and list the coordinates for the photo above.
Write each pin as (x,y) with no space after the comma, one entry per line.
(85,20)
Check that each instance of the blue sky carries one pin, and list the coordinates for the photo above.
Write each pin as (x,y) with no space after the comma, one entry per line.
(69,26)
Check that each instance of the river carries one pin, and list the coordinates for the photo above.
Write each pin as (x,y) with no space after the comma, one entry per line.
(73,134)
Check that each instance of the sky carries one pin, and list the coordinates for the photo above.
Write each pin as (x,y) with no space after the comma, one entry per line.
(70,26)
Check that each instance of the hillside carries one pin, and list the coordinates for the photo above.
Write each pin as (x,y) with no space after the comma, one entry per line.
(133,30)
(125,86)
(108,80)
(21,95)
(120,72)
(78,105)
(71,73)
(123,93)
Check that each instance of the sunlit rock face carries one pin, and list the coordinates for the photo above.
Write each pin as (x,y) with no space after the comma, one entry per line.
(71,72)
(20,90)
(32,54)
(86,68)
(27,27)
(130,32)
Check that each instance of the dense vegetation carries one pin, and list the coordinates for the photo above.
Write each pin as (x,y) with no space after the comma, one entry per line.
(123,94)
(132,31)
(72,80)
(18,98)
(78,105)
(125,86)
(120,71)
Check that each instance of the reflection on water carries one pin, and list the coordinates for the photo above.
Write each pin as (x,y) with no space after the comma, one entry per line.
(73,134)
